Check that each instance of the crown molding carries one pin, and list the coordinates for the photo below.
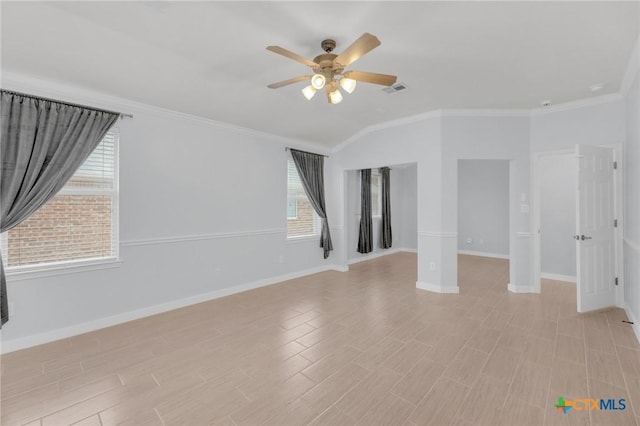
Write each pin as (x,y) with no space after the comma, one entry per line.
(580,103)
(632,70)
(68,93)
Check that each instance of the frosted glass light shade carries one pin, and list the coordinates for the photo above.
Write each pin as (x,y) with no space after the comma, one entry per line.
(317,81)
(348,84)
(308,92)
(335,96)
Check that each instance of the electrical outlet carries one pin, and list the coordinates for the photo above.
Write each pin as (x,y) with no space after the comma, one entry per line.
(469,240)
(281,259)
(432,266)
(481,241)
(218,270)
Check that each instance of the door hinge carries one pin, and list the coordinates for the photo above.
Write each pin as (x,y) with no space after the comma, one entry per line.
(616,281)
(615,165)
(615,223)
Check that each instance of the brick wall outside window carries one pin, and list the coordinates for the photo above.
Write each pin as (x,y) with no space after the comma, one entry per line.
(78,223)
(303,220)
(68,227)
(304,223)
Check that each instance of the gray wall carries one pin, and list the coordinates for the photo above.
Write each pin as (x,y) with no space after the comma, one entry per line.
(632,203)
(558,214)
(483,206)
(409,207)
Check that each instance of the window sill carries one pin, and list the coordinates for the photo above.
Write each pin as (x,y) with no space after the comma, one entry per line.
(42,271)
(303,238)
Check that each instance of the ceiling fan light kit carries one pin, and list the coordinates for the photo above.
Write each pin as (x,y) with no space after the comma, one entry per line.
(308,92)
(335,97)
(348,84)
(318,81)
(329,69)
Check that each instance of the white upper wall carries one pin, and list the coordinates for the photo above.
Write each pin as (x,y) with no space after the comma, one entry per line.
(601,123)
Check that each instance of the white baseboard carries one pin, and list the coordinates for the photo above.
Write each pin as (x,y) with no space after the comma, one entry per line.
(635,326)
(12,345)
(437,288)
(385,252)
(557,277)
(483,254)
(408,250)
(340,268)
(521,288)
(373,255)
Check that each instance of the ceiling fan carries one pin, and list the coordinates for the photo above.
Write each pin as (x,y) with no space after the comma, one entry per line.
(329,69)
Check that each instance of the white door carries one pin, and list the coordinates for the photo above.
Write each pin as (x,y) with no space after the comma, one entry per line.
(595,233)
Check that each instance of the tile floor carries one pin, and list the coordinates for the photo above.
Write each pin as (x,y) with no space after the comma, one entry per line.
(363,347)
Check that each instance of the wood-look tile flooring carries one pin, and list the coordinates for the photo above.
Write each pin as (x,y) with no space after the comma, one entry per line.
(363,347)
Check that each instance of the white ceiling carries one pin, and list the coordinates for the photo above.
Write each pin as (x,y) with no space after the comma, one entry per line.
(209,58)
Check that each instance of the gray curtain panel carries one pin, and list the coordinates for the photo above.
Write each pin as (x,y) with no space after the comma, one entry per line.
(311,170)
(365,237)
(385,233)
(42,144)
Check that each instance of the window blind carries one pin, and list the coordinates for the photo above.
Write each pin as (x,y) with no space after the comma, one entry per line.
(302,219)
(78,223)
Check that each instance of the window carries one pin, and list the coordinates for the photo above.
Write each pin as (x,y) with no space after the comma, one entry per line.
(78,223)
(376,197)
(292,208)
(302,219)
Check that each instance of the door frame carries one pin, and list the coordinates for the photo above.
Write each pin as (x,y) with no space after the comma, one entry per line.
(618,181)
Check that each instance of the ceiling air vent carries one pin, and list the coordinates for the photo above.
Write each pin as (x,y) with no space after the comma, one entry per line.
(397,87)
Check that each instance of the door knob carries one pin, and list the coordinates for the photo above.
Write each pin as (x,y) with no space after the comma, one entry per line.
(582,237)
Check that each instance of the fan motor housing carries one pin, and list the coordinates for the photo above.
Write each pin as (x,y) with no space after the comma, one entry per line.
(328,45)
(325,60)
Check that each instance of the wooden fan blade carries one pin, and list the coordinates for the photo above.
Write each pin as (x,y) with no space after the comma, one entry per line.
(289,54)
(371,77)
(290,81)
(366,43)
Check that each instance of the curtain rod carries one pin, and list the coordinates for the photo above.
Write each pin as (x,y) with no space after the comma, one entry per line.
(306,152)
(40,98)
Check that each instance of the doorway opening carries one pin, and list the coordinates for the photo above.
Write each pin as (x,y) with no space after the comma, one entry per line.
(483,224)
(577,224)
(403,195)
